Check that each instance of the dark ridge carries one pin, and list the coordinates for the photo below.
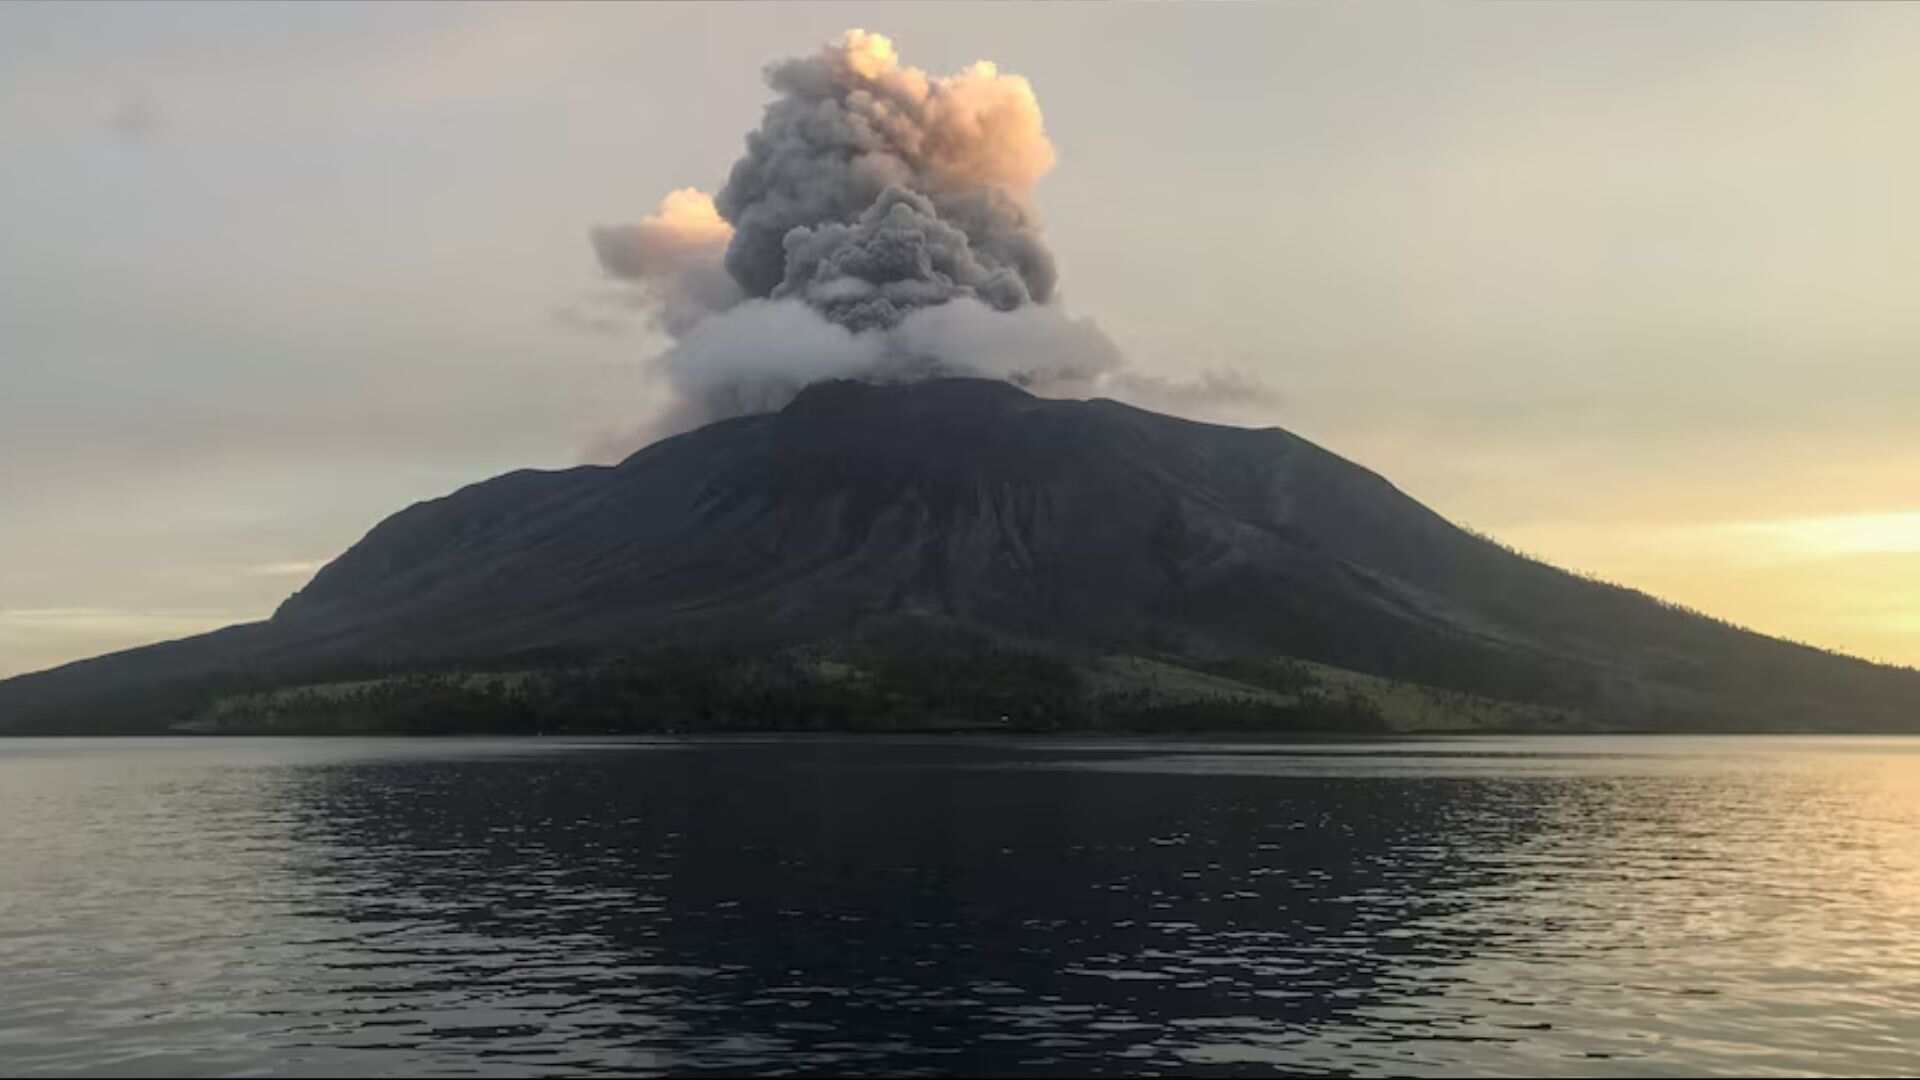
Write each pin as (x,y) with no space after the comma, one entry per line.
(1072,527)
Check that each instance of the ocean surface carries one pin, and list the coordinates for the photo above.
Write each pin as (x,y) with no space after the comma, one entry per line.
(1523,906)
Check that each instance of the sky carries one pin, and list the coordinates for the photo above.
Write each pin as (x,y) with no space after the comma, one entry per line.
(1630,287)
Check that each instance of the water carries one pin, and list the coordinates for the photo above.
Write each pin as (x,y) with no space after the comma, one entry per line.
(1610,906)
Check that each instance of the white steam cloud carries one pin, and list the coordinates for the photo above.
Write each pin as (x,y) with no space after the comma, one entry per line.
(879,226)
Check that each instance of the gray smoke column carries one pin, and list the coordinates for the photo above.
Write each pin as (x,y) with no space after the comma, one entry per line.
(878,226)
(898,256)
(871,188)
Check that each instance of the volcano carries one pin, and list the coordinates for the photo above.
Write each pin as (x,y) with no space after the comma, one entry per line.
(1077,530)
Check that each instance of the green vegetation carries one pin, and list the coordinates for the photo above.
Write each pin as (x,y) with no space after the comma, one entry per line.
(953,683)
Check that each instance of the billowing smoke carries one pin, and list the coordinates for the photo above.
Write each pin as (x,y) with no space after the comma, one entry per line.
(884,189)
(878,226)
(898,256)
(673,255)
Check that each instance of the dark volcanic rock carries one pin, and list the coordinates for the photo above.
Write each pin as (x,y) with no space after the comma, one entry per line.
(1084,525)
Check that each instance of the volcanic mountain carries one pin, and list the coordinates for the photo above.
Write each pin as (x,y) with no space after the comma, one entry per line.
(1081,530)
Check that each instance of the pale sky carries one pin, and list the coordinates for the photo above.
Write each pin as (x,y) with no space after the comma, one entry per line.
(1629,286)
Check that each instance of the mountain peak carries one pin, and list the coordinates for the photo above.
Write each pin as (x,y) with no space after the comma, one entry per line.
(1076,525)
(953,394)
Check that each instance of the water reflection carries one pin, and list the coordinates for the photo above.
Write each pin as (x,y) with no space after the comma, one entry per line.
(982,908)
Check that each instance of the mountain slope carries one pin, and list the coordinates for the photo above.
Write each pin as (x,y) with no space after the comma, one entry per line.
(1089,526)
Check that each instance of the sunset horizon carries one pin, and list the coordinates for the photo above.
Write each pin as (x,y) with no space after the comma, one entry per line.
(1624,330)
(1004,540)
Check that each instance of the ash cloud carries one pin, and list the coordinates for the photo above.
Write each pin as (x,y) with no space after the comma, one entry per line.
(865,171)
(673,256)
(879,225)
(900,255)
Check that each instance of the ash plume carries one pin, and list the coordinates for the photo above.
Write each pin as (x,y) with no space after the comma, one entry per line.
(899,255)
(879,225)
(673,256)
(868,173)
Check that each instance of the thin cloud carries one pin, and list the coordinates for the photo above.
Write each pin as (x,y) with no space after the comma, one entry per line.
(105,617)
(294,568)
(1841,534)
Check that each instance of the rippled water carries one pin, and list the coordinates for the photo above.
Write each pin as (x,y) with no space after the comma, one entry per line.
(1518,906)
